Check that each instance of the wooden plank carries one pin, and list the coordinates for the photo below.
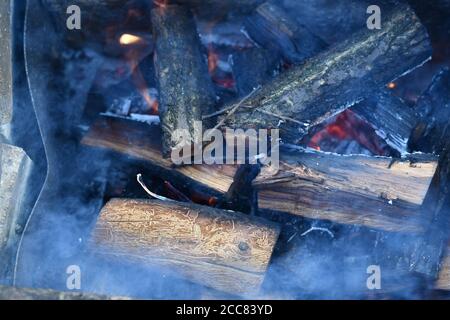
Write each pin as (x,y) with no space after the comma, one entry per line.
(336,78)
(372,191)
(143,141)
(220,249)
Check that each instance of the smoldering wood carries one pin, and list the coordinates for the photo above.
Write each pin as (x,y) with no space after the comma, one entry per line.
(432,129)
(274,29)
(143,141)
(220,249)
(6,62)
(15,170)
(391,118)
(336,78)
(253,68)
(376,192)
(186,90)
(432,134)
(16,293)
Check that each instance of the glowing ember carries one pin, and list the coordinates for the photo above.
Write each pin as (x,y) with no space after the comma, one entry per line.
(348,126)
(392,85)
(129,39)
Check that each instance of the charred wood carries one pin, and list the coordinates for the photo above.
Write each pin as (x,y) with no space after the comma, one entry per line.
(186,90)
(223,250)
(336,78)
(274,29)
(392,119)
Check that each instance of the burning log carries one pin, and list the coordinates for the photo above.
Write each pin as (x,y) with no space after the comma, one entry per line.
(15,168)
(392,119)
(186,90)
(432,134)
(337,78)
(434,110)
(220,249)
(142,141)
(5,63)
(272,28)
(360,190)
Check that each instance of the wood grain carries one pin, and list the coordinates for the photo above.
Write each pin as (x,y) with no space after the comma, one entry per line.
(143,141)
(220,249)
(372,191)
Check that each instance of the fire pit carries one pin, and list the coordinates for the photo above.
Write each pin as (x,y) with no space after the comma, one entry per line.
(225,149)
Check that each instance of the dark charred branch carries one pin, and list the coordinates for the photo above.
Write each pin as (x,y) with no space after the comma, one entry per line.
(336,78)
(361,190)
(253,68)
(143,141)
(392,119)
(274,29)
(220,249)
(186,90)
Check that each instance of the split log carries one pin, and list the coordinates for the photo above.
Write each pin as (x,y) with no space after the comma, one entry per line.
(433,127)
(186,89)
(142,141)
(274,29)
(336,78)
(220,249)
(15,293)
(15,168)
(6,62)
(432,134)
(391,118)
(376,192)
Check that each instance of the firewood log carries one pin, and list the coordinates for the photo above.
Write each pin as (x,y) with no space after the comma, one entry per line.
(336,78)
(434,109)
(15,293)
(6,63)
(391,118)
(432,134)
(443,281)
(186,89)
(220,249)
(143,141)
(274,29)
(15,169)
(372,191)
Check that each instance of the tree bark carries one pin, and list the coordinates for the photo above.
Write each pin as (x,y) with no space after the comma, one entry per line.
(336,78)
(6,62)
(376,192)
(186,89)
(220,249)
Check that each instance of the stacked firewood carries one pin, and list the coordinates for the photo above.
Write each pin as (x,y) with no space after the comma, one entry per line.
(404,193)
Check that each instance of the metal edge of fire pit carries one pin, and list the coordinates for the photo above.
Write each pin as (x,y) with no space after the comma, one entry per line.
(64,210)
